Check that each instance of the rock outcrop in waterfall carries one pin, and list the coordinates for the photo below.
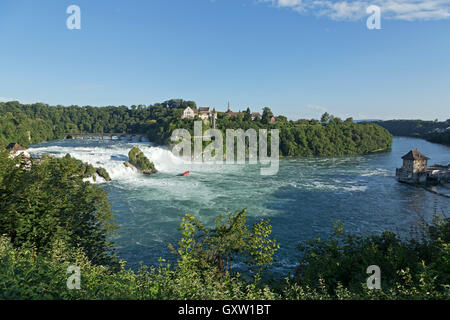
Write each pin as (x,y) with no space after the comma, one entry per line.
(140,161)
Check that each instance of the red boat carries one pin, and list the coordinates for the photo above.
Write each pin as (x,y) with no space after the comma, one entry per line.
(184,174)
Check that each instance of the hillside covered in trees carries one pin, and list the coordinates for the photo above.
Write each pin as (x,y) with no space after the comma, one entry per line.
(436,137)
(433,131)
(27,124)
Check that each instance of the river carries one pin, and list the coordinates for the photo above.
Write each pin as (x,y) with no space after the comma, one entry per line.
(302,200)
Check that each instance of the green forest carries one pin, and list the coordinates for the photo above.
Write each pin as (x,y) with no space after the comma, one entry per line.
(51,218)
(34,123)
(428,130)
(442,138)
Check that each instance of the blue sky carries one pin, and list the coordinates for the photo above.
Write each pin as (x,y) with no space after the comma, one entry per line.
(300,58)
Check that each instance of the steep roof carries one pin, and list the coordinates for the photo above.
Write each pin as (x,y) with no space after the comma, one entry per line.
(203,109)
(414,155)
(256,114)
(233,114)
(14,147)
(194,110)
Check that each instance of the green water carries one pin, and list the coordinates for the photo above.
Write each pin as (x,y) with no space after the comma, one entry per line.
(302,200)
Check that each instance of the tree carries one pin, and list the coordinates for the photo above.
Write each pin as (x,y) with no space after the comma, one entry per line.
(267,115)
(247,115)
(50,202)
(282,119)
(228,241)
(325,117)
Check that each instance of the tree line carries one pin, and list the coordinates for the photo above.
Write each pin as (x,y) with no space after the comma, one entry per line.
(433,131)
(34,123)
(301,138)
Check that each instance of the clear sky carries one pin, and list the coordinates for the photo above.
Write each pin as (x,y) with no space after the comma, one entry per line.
(300,58)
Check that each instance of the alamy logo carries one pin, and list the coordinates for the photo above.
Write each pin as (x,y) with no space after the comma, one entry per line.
(74,20)
(257,147)
(374,20)
(74,281)
(374,281)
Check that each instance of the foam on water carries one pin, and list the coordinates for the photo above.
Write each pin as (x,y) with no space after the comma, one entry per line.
(338,186)
(112,156)
(302,200)
(376,172)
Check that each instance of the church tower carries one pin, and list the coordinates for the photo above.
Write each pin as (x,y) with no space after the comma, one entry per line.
(213,118)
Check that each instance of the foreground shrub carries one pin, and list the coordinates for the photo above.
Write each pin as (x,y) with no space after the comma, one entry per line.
(52,201)
(410,269)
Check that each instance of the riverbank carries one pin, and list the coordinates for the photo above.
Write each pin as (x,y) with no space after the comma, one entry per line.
(302,200)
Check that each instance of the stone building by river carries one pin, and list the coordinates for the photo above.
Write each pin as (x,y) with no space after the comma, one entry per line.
(16,150)
(415,170)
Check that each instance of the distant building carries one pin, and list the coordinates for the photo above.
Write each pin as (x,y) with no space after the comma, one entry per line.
(441,130)
(437,174)
(414,161)
(232,113)
(213,118)
(16,150)
(256,115)
(14,147)
(189,113)
(203,113)
(414,169)
(273,119)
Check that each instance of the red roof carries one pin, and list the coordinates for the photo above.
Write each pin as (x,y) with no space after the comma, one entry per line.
(14,147)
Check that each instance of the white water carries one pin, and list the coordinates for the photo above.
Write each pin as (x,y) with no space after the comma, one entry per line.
(111,155)
(302,200)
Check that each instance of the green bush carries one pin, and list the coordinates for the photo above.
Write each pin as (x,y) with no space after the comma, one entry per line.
(103,173)
(410,268)
(140,161)
(52,201)
(27,274)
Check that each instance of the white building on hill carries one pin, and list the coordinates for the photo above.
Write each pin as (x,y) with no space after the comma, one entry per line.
(189,113)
